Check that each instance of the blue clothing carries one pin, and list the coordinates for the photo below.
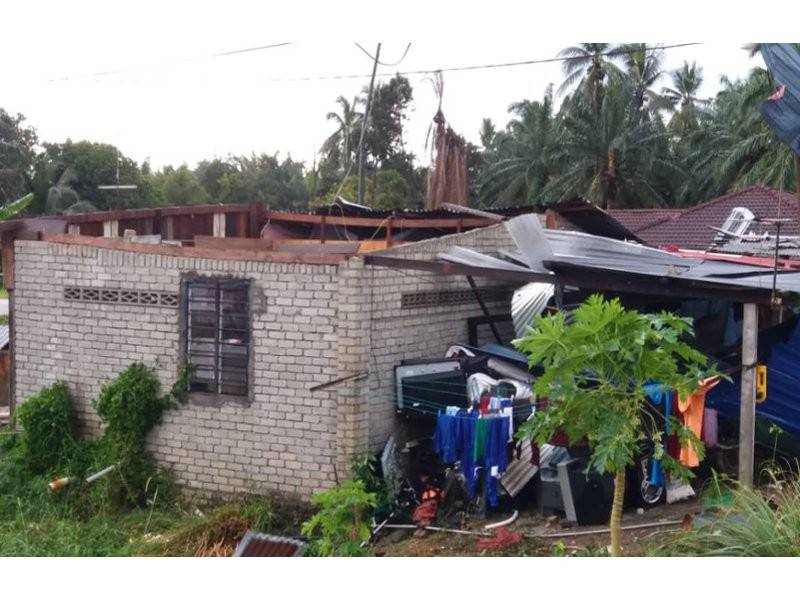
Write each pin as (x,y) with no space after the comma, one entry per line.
(445,439)
(658,394)
(496,458)
(467,424)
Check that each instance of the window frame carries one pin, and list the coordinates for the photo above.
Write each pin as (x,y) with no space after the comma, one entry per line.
(217,396)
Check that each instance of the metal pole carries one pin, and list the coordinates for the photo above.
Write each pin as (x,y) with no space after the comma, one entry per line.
(484,309)
(364,128)
(747,411)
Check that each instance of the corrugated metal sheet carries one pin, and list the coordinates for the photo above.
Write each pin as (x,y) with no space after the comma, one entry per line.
(537,246)
(4,336)
(528,302)
(261,544)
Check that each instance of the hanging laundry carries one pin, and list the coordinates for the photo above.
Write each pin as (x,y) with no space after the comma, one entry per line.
(710,428)
(466,424)
(691,408)
(445,438)
(659,395)
(496,458)
(482,428)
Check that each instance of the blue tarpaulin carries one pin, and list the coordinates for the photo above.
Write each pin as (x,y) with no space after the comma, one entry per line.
(782,110)
(780,351)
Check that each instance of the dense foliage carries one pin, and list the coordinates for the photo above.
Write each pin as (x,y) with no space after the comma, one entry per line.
(46,419)
(620,131)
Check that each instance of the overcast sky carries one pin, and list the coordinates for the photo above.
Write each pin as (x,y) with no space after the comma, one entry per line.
(203,107)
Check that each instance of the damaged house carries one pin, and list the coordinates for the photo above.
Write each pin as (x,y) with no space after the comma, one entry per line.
(294,323)
(293,339)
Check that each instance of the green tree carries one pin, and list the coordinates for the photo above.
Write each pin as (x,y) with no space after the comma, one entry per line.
(342,144)
(210,173)
(643,68)
(519,162)
(385,190)
(17,154)
(264,178)
(181,187)
(586,66)
(94,164)
(682,98)
(595,370)
(616,157)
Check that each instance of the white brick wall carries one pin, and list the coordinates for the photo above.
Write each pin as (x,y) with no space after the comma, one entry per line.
(311,324)
(284,441)
(394,334)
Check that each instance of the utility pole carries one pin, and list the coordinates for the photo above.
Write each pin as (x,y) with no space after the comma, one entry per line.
(364,127)
(747,410)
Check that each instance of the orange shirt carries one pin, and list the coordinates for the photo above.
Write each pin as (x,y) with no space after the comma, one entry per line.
(691,409)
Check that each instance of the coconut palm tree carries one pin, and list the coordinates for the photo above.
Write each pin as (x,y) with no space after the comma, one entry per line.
(734,147)
(586,66)
(643,67)
(342,143)
(682,99)
(519,160)
(616,157)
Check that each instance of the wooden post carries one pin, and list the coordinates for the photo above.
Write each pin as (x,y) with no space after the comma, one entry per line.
(747,410)
(73,229)
(111,228)
(168,232)
(219,225)
(389,223)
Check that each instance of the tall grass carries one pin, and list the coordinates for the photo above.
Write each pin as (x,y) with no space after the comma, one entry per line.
(759,522)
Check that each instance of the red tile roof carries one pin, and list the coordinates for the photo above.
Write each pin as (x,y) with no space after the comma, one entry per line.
(689,228)
(639,219)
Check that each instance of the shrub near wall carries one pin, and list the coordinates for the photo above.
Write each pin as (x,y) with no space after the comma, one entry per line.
(46,419)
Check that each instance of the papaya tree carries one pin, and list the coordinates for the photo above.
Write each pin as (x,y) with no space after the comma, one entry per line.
(596,367)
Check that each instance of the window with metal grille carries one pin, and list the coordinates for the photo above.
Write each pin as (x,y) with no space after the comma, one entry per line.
(217,320)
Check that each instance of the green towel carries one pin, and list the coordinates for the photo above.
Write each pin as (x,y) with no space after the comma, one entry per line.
(481,435)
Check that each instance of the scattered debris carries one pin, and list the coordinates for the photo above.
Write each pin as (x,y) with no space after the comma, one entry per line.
(503,538)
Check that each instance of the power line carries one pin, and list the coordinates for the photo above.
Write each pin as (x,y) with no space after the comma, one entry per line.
(394,64)
(172,63)
(472,67)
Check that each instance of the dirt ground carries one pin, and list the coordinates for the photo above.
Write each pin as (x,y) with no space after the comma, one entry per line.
(560,540)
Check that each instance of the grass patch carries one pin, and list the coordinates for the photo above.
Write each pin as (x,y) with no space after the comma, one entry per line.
(3,294)
(744,522)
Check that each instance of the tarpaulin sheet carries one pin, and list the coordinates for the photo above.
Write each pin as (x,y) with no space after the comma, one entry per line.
(782,110)
(779,349)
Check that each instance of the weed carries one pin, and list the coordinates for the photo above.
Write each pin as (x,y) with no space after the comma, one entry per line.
(757,522)
(341,521)
(46,419)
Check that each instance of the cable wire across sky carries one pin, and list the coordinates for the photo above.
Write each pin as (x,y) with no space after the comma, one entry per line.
(429,71)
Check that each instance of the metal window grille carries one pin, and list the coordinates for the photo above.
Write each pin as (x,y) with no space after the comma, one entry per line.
(217,336)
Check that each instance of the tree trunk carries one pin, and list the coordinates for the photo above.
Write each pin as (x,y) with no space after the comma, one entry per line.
(616,513)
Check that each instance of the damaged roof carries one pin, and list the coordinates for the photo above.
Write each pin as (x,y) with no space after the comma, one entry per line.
(598,263)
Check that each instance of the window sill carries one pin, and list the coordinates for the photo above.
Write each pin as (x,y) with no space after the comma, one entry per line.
(216,400)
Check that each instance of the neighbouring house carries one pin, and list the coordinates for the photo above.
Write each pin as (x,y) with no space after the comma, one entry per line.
(698,227)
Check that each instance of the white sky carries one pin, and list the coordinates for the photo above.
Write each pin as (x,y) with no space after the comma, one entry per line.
(206,108)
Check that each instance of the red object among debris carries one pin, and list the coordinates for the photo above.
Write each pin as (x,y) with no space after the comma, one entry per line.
(425,513)
(503,538)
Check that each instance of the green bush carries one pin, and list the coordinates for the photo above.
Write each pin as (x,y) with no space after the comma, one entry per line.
(46,419)
(130,406)
(341,521)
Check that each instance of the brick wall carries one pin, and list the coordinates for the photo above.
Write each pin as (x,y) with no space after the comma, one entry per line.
(391,333)
(285,440)
(311,324)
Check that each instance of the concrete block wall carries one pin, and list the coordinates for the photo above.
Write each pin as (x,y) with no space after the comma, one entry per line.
(284,441)
(394,333)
